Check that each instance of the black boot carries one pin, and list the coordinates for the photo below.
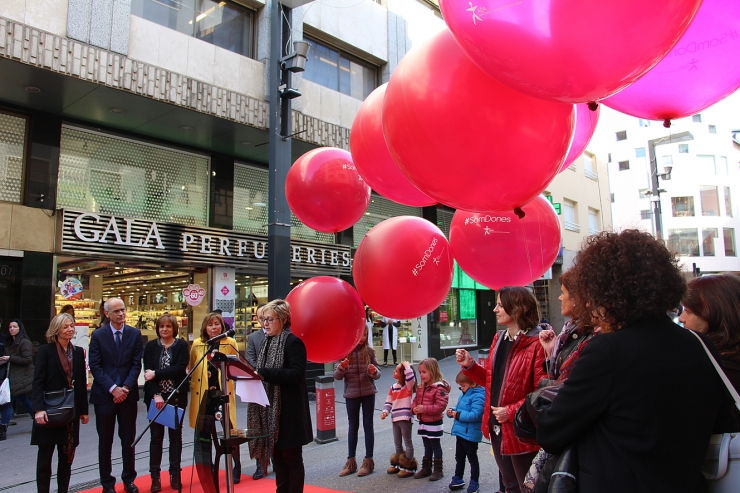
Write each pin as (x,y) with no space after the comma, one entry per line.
(3,431)
(236,455)
(156,483)
(175,481)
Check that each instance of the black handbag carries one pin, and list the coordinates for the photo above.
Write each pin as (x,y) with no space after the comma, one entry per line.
(60,407)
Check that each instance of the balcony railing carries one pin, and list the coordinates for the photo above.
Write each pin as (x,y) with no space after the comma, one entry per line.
(591,174)
(572,226)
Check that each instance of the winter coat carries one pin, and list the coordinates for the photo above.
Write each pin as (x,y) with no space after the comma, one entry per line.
(469,415)
(524,370)
(21,366)
(199,378)
(175,372)
(434,398)
(358,382)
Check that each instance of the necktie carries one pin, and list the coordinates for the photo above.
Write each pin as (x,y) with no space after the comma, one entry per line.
(118,351)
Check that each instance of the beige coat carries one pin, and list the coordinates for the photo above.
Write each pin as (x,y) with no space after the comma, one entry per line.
(199,378)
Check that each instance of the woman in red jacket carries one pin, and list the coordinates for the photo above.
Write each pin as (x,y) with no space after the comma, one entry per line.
(514,369)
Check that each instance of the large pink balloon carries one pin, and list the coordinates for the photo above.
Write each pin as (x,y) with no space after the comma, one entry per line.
(702,69)
(403,267)
(499,249)
(310,303)
(325,191)
(568,50)
(586,121)
(371,156)
(466,140)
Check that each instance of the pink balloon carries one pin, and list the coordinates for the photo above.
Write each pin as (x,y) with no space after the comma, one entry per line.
(371,156)
(699,71)
(586,121)
(403,267)
(575,51)
(466,140)
(499,249)
(325,191)
(310,303)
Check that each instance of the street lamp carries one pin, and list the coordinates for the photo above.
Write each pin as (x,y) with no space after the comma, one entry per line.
(654,175)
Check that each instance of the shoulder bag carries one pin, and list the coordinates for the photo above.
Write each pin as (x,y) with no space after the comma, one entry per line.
(60,407)
(721,465)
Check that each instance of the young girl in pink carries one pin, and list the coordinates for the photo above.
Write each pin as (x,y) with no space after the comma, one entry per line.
(428,406)
(398,405)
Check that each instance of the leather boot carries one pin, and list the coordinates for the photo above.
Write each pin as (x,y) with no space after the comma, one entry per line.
(437,473)
(368,466)
(394,464)
(349,467)
(408,467)
(156,483)
(3,432)
(236,455)
(426,468)
(175,481)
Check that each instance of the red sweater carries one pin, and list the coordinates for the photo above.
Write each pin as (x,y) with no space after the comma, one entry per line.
(434,398)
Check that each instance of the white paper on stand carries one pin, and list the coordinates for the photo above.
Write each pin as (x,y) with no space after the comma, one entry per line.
(250,390)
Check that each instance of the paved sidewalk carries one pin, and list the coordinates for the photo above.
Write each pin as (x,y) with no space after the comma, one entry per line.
(323,462)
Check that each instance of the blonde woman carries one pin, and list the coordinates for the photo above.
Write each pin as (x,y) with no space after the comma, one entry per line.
(206,383)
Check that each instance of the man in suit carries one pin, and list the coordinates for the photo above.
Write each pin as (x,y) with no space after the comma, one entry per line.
(254,343)
(115,362)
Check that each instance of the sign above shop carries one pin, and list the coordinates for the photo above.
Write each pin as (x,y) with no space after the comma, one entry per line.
(194,294)
(91,233)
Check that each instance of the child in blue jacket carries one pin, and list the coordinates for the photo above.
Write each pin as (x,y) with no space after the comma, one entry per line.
(468,415)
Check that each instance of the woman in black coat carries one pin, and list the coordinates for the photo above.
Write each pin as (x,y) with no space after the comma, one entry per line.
(165,365)
(19,360)
(287,420)
(59,365)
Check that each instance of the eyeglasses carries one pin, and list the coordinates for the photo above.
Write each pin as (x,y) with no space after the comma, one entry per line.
(268,320)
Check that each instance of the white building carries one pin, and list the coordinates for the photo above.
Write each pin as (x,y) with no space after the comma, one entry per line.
(698,171)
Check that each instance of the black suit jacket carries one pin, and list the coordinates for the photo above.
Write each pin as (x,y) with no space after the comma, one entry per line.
(640,405)
(106,363)
(49,376)
(295,417)
(175,372)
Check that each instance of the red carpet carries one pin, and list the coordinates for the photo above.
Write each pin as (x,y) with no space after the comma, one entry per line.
(247,484)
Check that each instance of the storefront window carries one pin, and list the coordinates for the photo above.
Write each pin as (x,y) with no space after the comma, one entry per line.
(12,145)
(685,242)
(250,206)
(110,175)
(455,331)
(251,291)
(378,211)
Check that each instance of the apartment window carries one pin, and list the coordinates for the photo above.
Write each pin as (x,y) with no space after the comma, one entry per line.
(696,118)
(644,193)
(609,158)
(223,24)
(646,214)
(611,198)
(339,71)
(666,160)
(712,129)
(728,202)
(643,123)
(723,164)
(588,166)
(683,148)
(707,241)
(682,206)
(624,165)
(707,164)
(640,152)
(684,242)
(622,135)
(12,145)
(729,237)
(593,221)
(709,200)
(569,216)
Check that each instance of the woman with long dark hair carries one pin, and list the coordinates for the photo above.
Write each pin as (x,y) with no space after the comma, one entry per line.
(19,358)
(515,368)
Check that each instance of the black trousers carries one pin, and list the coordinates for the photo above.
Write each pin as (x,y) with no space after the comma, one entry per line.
(106,416)
(465,449)
(290,473)
(385,356)
(43,469)
(155,448)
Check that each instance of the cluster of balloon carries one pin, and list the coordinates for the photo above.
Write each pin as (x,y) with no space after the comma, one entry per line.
(371,156)
(586,120)
(501,249)
(699,71)
(325,191)
(575,51)
(500,148)
(309,302)
(403,267)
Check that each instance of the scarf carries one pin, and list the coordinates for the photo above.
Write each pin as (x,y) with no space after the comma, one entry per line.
(65,358)
(265,420)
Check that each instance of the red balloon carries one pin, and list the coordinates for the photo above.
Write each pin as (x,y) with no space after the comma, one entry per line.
(325,191)
(699,71)
(403,267)
(311,302)
(574,51)
(371,156)
(466,140)
(586,121)
(499,249)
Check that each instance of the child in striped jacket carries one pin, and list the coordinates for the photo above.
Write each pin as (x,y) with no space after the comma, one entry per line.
(398,405)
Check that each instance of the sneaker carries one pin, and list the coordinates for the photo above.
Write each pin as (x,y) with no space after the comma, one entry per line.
(473,486)
(457,483)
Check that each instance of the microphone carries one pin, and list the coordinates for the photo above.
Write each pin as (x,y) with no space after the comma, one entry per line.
(226,334)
